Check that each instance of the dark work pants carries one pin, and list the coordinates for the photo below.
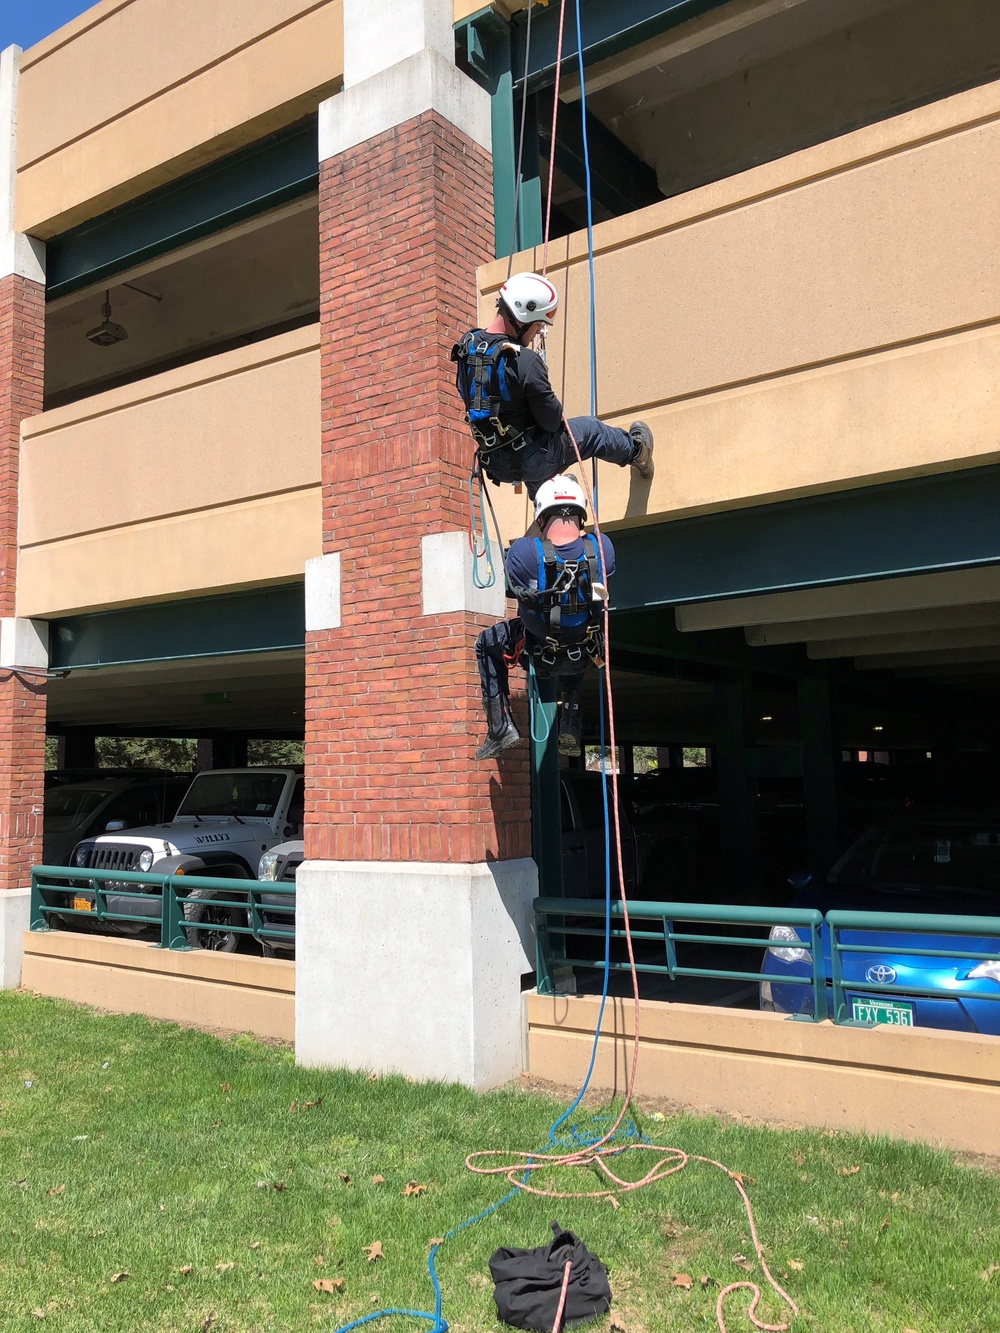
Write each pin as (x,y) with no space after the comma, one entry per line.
(545,456)
(496,646)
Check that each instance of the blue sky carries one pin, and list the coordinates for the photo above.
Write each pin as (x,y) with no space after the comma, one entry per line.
(25,22)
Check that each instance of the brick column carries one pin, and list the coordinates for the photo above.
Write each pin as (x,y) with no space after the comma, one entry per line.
(22,699)
(413,849)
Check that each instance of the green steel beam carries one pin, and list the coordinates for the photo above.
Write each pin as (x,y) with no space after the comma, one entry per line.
(546,797)
(264,620)
(619,178)
(607,26)
(917,526)
(483,50)
(275,170)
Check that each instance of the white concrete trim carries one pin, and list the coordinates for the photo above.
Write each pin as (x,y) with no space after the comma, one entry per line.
(422,82)
(379,36)
(323,592)
(23,644)
(446,577)
(19,254)
(414,967)
(15,909)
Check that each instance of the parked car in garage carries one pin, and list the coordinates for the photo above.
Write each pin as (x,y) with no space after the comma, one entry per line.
(226,819)
(77,810)
(919,866)
(277,937)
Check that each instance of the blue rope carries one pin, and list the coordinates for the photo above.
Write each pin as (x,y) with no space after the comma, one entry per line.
(491,574)
(590,240)
(575,1136)
(536,709)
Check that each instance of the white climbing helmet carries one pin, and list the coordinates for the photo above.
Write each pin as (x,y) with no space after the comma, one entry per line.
(529,298)
(560,493)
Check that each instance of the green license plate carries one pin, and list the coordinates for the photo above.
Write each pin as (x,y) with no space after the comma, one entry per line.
(892,1012)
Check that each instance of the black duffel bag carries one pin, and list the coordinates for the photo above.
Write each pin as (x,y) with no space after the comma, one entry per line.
(528,1283)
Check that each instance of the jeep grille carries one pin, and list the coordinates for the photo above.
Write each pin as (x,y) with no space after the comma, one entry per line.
(106,856)
(288,870)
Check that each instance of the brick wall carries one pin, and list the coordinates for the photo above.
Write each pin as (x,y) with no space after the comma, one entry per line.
(22,702)
(392,697)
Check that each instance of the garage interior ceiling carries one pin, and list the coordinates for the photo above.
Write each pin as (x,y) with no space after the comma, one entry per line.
(258,693)
(754,80)
(220,292)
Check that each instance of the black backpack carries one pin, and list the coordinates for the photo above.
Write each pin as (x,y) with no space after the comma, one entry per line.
(528,1283)
(481,379)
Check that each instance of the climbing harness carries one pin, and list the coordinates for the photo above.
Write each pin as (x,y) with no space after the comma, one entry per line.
(481,380)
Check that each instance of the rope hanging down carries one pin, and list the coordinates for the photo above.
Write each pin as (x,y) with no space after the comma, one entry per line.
(595,1149)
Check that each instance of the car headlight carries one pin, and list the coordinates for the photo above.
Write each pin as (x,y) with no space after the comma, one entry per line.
(145,859)
(787,935)
(80,856)
(267,865)
(990,970)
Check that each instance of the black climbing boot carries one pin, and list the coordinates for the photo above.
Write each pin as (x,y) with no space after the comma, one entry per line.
(642,460)
(501,732)
(571,728)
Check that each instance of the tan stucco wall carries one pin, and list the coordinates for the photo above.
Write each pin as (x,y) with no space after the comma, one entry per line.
(137,92)
(227,992)
(199,479)
(818,322)
(134,93)
(937,1087)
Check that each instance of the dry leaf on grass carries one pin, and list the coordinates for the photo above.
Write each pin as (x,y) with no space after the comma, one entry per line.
(797,1264)
(610,1198)
(223,1266)
(329,1284)
(436,1240)
(848,1170)
(412,1187)
(741,1261)
(378,1180)
(120,1277)
(56,1189)
(799,1159)
(255,1245)
(374,1251)
(743,1179)
(187,1268)
(987,1273)
(681,1280)
(707,1281)
(39,1314)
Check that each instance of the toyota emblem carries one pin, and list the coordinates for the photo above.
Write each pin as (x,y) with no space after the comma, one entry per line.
(881,975)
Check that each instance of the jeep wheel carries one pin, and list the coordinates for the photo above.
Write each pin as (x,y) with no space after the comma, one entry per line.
(204,909)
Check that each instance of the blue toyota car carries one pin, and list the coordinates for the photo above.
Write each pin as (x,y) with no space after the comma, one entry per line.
(921,865)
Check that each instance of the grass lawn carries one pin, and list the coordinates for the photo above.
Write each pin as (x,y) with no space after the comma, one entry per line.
(224,1183)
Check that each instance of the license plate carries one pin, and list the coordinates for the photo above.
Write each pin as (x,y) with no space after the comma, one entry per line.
(81,904)
(892,1012)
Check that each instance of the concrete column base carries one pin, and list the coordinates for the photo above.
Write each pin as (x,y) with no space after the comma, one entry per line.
(14,916)
(414,967)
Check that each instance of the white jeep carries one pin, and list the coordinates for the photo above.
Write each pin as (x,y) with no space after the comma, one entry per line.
(228,818)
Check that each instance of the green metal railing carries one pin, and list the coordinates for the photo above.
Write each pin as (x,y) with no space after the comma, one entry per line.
(549,912)
(55,888)
(876,923)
